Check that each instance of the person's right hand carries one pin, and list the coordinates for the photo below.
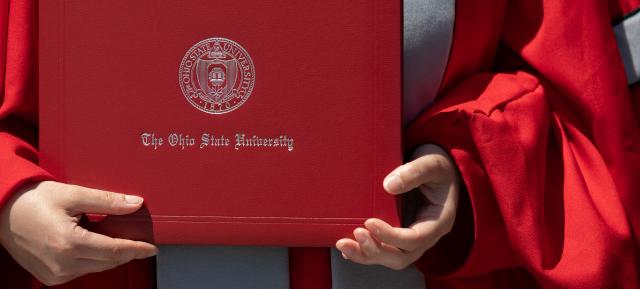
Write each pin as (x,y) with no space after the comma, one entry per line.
(39,228)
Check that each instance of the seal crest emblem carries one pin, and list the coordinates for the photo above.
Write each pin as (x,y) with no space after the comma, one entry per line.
(217,75)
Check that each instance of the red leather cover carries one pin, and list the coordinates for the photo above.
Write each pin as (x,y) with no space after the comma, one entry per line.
(327,75)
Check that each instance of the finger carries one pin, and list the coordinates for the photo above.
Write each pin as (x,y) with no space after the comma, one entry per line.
(368,246)
(442,205)
(85,200)
(388,256)
(407,239)
(100,247)
(420,171)
(433,222)
(350,250)
(420,236)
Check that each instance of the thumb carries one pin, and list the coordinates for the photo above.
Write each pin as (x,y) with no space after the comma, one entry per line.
(79,200)
(431,164)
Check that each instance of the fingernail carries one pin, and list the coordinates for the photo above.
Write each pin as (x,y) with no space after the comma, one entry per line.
(393,184)
(133,200)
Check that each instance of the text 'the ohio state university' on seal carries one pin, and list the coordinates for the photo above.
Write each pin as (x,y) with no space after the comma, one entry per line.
(217,75)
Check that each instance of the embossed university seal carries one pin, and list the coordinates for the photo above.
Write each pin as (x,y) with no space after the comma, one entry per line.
(217,75)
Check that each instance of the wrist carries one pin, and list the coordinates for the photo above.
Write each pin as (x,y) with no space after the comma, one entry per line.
(6,210)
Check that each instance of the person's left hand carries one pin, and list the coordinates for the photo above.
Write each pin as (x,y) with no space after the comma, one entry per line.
(434,173)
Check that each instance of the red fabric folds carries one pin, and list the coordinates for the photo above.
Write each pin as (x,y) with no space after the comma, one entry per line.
(18,134)
(550,158)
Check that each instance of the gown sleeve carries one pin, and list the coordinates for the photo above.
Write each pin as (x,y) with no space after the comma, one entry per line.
(549,151)
(18,118)
(18,98)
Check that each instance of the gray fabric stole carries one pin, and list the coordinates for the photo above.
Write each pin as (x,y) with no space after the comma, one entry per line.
(627,35)
(428,33)
(210,267)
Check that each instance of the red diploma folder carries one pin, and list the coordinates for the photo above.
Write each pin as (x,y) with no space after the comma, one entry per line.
(240,122)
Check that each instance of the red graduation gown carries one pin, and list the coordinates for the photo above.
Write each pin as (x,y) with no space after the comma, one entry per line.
(535,110)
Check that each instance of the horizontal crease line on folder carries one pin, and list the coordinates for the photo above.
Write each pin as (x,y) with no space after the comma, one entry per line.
(262,218)
(256,223)
(246,220)
(235,222)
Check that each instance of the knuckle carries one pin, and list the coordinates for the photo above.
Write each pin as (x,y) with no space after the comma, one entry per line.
(412,171)
(440,162)
(108,197)
(437,162)
(445,168)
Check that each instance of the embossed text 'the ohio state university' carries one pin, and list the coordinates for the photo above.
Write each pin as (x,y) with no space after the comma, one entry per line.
(240,141)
